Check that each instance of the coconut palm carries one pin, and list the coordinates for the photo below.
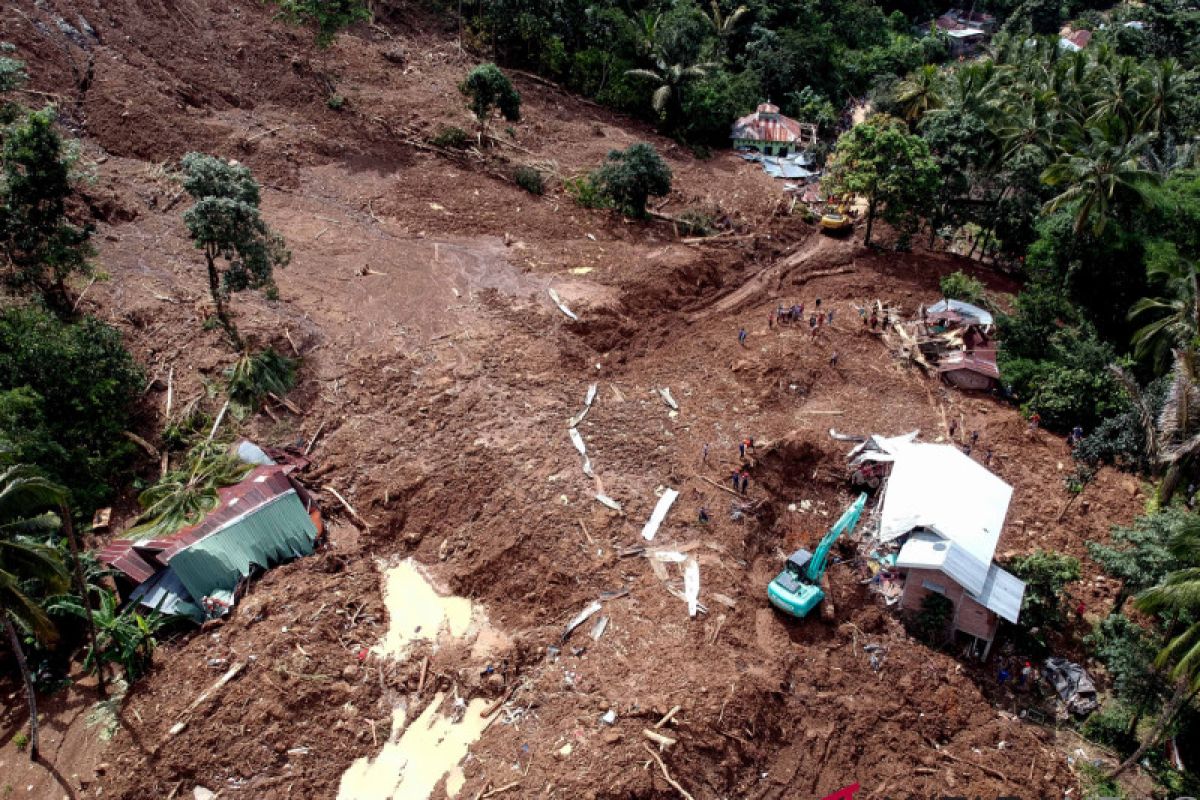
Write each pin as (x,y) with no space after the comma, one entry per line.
(1103,168)
(28,567)
(1120,91)
(919,93)
(1166,88)
(670,79)
(1178,596)
(647,30)
(1175,318)
(723,25)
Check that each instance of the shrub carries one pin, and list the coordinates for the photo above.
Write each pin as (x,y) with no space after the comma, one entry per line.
(584,191)
(254,376)
(336,102)
(961,286)
(20,741)
(66,394)
(451,138)
(530,179)
(1046,574)
(488,89)
(629,177)
(327,16)
(933,620)
(694,222)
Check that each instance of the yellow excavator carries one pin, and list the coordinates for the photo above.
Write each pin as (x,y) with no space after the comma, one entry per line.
(836,221)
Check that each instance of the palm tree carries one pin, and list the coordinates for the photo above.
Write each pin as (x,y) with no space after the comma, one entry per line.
(723,26)
(920,93)
(647,30)
(1120,91)
(1166,87)
(671,80)
(26,563)
(1178,596)
(1176,320)
(1104,167)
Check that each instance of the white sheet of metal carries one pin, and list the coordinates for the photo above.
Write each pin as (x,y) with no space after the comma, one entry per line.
(940,488)
(659,514)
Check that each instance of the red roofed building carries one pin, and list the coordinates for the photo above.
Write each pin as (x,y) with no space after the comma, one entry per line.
(771,133)
(1075,41)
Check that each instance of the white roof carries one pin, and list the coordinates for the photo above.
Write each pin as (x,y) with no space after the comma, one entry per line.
(939,488)
(963,33)
(1067,44)
(965,309)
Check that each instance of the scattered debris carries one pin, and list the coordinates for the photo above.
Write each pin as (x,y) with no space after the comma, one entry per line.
(665,394)
(561,306)
(232,673)
(609,718)
(1072,683)
(605,500)
(691,585)
(579,619)
(659,514)
(577,440)
(598,628)
(587,406)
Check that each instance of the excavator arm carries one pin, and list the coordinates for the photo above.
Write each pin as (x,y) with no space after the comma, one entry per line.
(845,524)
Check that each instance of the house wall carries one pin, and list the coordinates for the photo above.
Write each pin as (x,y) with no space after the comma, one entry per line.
(969,616)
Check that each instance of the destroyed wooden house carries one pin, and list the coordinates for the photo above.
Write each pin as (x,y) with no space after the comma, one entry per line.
(265,519)
(958,339)
(945,512)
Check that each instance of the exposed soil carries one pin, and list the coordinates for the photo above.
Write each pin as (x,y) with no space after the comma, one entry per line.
(440,378)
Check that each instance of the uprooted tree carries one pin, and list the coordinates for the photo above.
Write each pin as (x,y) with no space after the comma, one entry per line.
(487,90)
(225,222)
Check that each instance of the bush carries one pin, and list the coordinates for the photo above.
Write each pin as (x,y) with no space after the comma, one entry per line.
(933,620)
(253,377)
(584,191)
(531,180)
(336,102)
(629,177)
(694,222)
(327,16)
(1046,574)
(961,286)
(67,394)
(488,89)
(451,138)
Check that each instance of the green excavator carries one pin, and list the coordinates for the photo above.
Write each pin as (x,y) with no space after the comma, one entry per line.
(797,589)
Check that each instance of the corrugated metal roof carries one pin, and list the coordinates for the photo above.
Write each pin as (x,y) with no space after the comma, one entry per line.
(766,124)
(987,584)
(120,554)
(141,559)
(981,364)
(277,530)
(1002,593)
(975,313)
(929,551)
(939,488)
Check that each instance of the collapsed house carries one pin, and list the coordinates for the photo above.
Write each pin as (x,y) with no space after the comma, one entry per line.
(958,339)
(265,519)
(945,512)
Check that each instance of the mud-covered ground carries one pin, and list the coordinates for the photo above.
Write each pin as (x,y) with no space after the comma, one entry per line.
(437,382)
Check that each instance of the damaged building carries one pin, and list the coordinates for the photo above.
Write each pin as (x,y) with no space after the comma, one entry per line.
(945,511)
(263,520)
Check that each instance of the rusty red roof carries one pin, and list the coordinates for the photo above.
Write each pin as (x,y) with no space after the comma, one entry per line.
(982,362)
(766,124)
(141,559)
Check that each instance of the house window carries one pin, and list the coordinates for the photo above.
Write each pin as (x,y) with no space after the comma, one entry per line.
(933,587)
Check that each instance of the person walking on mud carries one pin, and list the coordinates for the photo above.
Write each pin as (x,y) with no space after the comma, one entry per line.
(704,454)
(742,337)
(735,477)
(745,476)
